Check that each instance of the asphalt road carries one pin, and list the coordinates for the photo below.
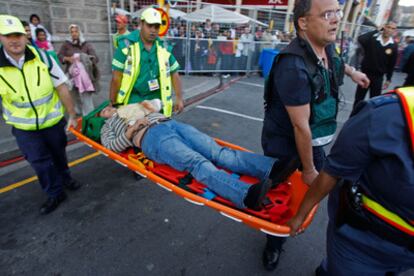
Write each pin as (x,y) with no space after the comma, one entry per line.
(116,225)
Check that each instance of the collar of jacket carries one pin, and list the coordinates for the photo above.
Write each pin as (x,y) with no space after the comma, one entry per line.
(28,55)
(135,36)
(301,47)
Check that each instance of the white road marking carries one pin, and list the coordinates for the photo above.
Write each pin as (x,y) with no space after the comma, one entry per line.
(229,112)
(251,84)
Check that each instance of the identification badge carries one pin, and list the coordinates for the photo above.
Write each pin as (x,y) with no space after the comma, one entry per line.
(153,85)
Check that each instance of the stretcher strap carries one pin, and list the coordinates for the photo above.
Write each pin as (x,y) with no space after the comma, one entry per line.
(208,194)
(141,160)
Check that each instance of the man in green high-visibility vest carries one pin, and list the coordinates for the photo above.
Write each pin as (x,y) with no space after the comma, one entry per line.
(144,70)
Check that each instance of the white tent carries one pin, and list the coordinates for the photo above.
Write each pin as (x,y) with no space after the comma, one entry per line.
(219,15)
(409,33)
(119,11)
(176,13)
(173,13)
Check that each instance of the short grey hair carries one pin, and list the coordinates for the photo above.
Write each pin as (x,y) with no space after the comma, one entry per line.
(302,7)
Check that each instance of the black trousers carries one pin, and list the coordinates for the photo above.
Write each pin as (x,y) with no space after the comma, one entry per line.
(45,150)
(409,81)
(375,88)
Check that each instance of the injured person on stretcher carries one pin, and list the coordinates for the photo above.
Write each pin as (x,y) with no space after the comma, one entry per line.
(183,147)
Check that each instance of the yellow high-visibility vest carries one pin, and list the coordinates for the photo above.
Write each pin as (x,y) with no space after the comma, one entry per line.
(30,101)
(131,72)
(406,96)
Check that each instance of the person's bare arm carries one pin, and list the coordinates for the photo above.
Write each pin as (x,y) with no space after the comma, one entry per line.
(66,99)
(322,185)
(176,83)
(115,85)
(358,77)
(148,107)
(299,116)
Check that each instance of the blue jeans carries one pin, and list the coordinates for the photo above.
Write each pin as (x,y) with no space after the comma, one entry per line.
(45,150)
(184,148)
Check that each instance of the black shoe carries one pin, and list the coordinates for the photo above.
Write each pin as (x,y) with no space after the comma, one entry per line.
(71,184)
(283,169)
(256,194)
(271,258)
(318,271)
(52,203)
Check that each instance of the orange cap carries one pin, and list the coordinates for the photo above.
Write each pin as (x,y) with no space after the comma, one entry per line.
(121,19)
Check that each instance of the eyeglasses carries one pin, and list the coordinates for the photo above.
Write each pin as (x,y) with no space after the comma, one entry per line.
(330,15)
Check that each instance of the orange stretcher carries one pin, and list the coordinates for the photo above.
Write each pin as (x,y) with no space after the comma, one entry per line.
(280,204)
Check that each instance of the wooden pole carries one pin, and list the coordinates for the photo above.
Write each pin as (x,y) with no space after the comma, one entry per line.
(347,10)
(393,12)
(238,4)
(291,5)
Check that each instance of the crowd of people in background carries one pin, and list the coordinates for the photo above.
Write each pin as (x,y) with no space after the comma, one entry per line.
(76,56)
(224,47)
(197,46)
(212,46)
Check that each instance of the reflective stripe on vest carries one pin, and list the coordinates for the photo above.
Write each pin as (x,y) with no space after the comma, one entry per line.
(35,103)
(131,73)
(387,216)
(406,96)
(30,101)
(32,121)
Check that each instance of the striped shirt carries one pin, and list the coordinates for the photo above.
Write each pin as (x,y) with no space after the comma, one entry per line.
(113,132)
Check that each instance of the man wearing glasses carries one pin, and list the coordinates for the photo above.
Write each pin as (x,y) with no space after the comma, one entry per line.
(301,97)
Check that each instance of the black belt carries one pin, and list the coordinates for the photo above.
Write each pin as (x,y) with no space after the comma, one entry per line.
(351,212)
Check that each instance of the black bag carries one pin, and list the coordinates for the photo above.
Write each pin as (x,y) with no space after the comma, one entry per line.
(409,65)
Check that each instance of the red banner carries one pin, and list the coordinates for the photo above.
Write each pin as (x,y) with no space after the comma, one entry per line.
(251,2)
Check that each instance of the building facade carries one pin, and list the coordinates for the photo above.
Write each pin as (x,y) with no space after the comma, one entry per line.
(57,15)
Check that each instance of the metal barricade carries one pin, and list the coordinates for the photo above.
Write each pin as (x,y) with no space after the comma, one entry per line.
(227,47)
